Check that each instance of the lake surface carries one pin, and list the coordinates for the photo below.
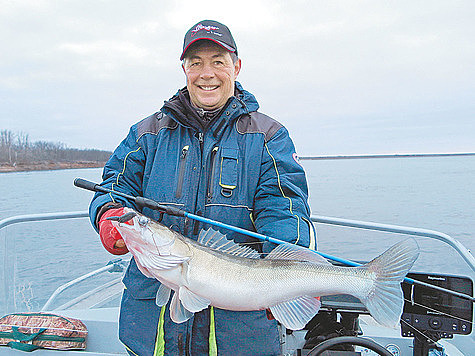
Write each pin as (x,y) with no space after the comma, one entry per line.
(436,193)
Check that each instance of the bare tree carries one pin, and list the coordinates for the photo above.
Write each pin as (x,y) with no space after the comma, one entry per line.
(17,148)
(6,143)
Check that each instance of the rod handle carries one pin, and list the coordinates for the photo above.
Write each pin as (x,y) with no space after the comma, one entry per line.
(85,184)
(140,201)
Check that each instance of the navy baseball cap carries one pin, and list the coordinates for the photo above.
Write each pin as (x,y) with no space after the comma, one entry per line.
(212,31)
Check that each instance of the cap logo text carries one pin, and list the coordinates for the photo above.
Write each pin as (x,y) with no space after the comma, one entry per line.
(206,28)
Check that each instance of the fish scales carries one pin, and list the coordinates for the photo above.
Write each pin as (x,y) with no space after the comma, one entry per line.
(215,271)
(263,283)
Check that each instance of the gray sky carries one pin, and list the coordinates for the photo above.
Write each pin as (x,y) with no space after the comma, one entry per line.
(345,77)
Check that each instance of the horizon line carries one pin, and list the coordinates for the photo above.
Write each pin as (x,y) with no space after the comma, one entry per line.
(385,155)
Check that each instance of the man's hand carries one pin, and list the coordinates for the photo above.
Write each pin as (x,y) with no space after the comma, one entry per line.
(110,237)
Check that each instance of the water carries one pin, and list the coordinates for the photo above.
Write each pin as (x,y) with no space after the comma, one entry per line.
(44,191)
(44,255)
(435,193)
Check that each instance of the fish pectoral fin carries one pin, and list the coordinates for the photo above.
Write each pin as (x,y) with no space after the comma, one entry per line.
(295,314)
(164,261)
(163,295)
(178,313)
(288,251)
(191,301)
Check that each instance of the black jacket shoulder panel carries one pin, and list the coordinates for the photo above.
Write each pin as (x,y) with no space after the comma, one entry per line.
(257,122)
(154,123)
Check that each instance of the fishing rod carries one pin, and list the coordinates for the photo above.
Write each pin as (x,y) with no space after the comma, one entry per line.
(170,210)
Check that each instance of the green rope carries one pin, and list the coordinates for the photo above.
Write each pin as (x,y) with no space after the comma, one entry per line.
(213,347)
(160,341)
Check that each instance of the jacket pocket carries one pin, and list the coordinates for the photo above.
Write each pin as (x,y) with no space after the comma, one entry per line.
(181,171)
(228,179)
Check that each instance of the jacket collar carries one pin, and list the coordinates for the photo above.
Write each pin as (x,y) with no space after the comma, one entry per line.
(180,109)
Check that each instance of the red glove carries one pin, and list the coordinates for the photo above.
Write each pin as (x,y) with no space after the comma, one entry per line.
(110,236)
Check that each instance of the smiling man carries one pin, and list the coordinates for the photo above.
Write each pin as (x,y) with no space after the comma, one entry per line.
(210,152)
(210,74)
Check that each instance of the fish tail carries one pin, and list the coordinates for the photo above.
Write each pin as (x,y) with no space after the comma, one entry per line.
(385,300)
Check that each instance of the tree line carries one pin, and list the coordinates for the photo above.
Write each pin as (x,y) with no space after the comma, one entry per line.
(16,148)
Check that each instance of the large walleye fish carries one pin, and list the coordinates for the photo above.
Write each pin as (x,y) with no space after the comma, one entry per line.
(216,271)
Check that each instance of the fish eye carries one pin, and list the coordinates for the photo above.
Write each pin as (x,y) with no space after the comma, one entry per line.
(143,220)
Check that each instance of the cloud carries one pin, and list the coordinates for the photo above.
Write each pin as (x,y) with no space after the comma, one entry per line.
(343,76)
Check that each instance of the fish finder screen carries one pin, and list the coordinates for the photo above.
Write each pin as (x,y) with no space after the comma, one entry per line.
(432,309)
(431,301)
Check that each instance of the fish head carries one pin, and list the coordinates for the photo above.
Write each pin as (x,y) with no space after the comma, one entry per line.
(140,233)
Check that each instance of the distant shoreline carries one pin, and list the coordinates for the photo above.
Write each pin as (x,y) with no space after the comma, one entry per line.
(48,166)
(391,155)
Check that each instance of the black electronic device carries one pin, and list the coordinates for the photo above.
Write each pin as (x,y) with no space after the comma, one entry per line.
(435,311)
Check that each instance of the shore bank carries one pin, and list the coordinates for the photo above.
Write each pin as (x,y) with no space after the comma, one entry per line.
(48,166)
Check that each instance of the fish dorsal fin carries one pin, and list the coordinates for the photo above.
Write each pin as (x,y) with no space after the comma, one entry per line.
(287,251)
(295,314)
(217,241)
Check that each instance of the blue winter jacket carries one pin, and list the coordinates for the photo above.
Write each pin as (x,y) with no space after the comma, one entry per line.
(241,170)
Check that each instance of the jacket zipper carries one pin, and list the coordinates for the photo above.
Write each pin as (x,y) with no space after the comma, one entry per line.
(181,171)
(201,140)
(200,136)
(211,174)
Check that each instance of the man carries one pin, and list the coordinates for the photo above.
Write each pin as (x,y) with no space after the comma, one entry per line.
(207,151)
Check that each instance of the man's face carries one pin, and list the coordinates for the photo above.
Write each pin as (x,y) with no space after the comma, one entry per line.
(210,75)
